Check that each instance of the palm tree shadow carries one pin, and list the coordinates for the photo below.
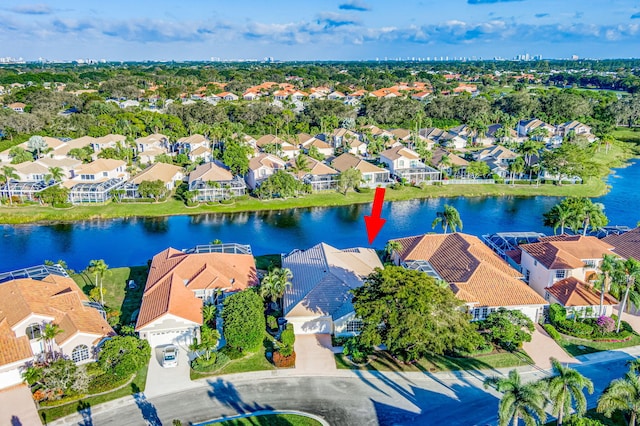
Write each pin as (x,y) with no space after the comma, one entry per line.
(147,409)
(228,396)
(84,409)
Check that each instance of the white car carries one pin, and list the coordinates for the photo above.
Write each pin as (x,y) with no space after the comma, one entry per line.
(170,356)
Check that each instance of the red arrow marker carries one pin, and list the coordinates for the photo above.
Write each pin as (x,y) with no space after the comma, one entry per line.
(374,223)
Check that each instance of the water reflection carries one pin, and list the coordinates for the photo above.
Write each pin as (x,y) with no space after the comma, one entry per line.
(352,213)
(282,219)
(155,225)
(63,236)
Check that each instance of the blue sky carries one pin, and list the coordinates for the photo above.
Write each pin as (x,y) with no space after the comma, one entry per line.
(321,29)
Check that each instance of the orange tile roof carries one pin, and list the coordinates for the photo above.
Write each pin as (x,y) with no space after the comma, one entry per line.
(566,251)
(476,274)
(13,348)
(56,297)
(573,292)
(627,244)
(174,275)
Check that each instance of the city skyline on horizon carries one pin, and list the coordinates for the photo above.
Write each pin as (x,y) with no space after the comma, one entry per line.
(336,30)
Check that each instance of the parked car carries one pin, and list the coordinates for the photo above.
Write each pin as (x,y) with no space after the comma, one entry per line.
(170,356)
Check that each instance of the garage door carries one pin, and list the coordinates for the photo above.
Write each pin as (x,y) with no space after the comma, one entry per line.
(181,338)
(316,326)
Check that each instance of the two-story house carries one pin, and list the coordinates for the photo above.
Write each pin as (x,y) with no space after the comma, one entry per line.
(178,284)
(94,182)
(556,258)
(169,174)
(149,147)
(213,182)
(404,163)
(261,167)
(372,175)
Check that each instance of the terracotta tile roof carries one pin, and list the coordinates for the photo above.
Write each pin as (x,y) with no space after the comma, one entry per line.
(158,171)
(573,292)
(346,161)
(476,273)
(174,275)
(566,251)
(627,244)
(13,348)
(58,298)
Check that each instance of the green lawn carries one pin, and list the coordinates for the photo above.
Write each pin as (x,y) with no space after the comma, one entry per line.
(117,293)
(271,420)
(627,135)
(137,385)
(574,346)
(436,363)
(253,362)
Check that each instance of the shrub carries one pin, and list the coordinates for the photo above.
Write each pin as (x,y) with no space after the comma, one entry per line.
(364,190)
(221,361)
(552,331)
(231,352)
(285,350)
(575,328)
(203,364)
(287,337)
(605,324)
(282,361)
(105,382)
(272,322)
(557,313)
(575,420)
(354,349)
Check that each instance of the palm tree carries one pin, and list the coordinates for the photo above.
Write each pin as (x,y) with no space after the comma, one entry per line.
(51,330)
(593,216)
(558,217)
(516,167)
(520,400)
(608,266)
(100,268)
(624,395)
(56,173)
(630,269)
(36,143)
(8,174)
(391,247)
(448,218)
(208,313)
(301,164)
(208,342)
(275,283)
(566,386)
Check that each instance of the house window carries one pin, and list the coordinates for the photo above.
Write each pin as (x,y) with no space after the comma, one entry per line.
(484,313)
(34,331)
(80,353)
(400,163)
(354,326)
(591,263)
(476,314)
(561,274)
(527,275)
(105,174)
(547,296)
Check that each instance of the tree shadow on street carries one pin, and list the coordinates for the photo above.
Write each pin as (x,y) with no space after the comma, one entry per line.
(147,409)
(84,409)
(227,395)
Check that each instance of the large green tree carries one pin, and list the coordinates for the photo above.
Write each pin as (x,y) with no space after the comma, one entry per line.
(152,189)
(349,179)
(520,400)
(275,283)
(565,388)
(408,312)
(243,320)
(122,356)
(508,328)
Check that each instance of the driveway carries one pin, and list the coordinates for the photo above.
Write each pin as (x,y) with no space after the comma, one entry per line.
(542,347)
(18,407)
(314,354)
(162,381)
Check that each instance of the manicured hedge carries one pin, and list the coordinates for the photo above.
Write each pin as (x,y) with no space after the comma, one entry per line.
(552,331)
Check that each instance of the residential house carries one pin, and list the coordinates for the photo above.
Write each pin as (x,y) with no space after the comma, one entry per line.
(250,96)
(558,257)
(62,151)
(51,144)
(492,138)
(150,147)
(45,295)
(30,182)
(201,154)
(168,174)
(284,148)
(579,299)
(577,128)
(30,171)
(306,141)
(405,163)
(402,135)
(190,143)
(108,141)
(525,127)
(421,96)
(94,182)
(178,284)
(341,137)
(475,274)
(228,96)
(449,163)
(317,174)
(336,95)
(17,107)
(319,299)
(129,103)
(371,175)
(261,167)
(68,165)
(213,182)
(443,138)
(497,158)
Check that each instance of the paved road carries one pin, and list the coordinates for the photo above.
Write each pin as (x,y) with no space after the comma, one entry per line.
(345,399)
